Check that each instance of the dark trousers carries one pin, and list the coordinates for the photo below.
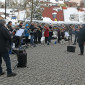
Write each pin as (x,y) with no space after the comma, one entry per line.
(81,45)
(71,37)
(46,39)
(75,39)
(6,58)
(17,41)
(39,39)
(35,39)
(59,39)
(26,40)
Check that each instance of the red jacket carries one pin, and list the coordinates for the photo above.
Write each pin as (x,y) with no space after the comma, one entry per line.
(46,33)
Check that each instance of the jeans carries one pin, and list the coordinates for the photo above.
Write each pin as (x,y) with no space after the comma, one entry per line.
(6,58)
(32,40)
(81,45)
(75,39)
(49,38)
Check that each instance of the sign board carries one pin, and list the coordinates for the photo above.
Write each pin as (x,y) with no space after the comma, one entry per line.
(13,17)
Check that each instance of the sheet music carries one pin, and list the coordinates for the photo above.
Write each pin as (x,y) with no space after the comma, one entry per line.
(19,32)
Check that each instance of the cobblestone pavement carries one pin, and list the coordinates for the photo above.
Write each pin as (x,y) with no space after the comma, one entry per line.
(49,65)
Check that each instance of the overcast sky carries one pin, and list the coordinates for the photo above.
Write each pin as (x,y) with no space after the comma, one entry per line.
(2,0)
(50,0)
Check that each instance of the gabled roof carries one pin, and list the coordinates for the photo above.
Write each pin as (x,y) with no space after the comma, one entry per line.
(48,13)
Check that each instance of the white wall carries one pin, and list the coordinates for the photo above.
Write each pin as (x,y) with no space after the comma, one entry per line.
(59,1)
(69,11)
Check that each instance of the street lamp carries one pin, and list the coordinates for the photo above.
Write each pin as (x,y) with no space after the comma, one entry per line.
(32,12)
(5,9)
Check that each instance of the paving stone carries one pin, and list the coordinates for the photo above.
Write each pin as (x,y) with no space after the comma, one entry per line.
(48,65)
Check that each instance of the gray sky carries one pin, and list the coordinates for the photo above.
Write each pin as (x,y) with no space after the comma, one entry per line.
(2,0)
(50,0)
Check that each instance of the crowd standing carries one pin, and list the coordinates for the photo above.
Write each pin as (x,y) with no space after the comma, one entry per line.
(32,34)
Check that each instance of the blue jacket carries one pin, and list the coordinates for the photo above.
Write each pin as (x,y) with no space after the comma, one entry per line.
(26,30)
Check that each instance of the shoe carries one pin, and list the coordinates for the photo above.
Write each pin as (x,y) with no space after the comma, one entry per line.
(74,44)
(2,73)
(34,45)
(47,43)
(11,75)
(80,54)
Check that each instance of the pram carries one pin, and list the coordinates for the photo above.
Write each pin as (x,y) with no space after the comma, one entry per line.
(21,54)
(19,50)
(65,38)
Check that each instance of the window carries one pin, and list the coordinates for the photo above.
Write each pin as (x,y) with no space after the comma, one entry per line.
(72,16)
(54,15)
(56,0)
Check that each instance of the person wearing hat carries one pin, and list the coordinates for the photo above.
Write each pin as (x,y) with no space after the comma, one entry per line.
(5,38)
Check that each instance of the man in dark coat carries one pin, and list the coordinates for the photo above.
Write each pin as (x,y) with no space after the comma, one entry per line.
(5,38)
(59,35)
(39,33)
(70,32)
(9,25)
(50,33)
(81,39)
(32,29)
(20,25)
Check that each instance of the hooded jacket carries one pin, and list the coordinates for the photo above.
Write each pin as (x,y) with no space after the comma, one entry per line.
(26,30)
(46,33)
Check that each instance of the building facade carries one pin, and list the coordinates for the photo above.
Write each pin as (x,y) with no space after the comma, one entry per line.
(77,1)
(84,3)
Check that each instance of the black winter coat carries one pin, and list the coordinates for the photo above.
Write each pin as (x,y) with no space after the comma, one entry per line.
(81,35)
(10,28)
(32,28)
(5,38)
(40,31)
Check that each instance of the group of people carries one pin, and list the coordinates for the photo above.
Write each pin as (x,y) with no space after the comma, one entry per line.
(78,31)
(10,35)
(32,33)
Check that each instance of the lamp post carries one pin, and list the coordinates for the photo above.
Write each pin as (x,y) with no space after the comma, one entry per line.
(5,9)
(32,11)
